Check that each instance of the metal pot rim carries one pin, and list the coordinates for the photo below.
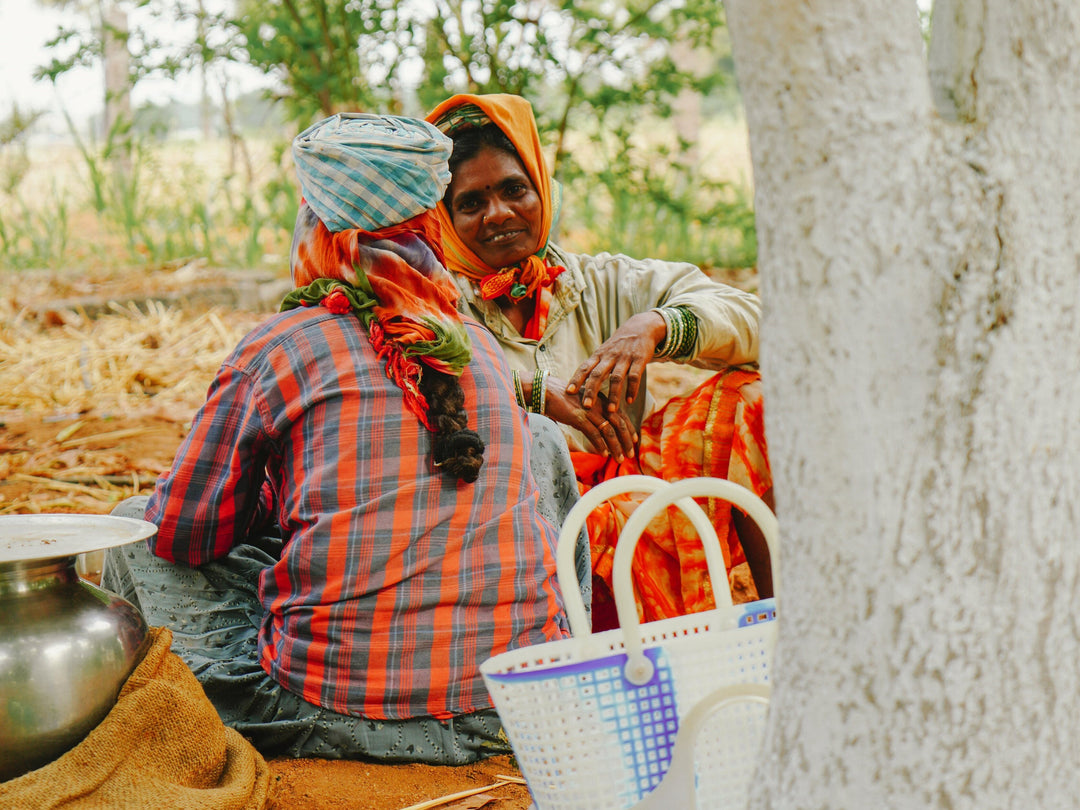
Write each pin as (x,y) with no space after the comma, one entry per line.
(43,536)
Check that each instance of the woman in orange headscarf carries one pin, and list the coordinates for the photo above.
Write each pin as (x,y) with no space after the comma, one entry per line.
(579,331)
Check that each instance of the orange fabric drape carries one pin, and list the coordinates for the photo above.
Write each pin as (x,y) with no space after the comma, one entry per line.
(717,430)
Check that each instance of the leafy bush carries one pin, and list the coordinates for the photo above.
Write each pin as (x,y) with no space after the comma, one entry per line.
(654,199)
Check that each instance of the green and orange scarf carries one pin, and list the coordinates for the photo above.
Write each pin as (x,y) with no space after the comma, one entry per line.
(394,281)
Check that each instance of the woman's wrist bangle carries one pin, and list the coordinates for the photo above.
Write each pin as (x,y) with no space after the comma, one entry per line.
(671,322)
(519,393)
(690,330)
(543,394)
(538,395)
(681,337)
(661,347)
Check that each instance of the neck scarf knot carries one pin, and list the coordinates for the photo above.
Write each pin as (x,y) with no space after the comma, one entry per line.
(519,281)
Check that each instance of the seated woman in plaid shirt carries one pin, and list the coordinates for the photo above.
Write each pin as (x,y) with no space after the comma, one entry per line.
(375,428)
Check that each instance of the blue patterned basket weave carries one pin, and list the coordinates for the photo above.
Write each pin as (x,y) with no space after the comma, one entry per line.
(592,719)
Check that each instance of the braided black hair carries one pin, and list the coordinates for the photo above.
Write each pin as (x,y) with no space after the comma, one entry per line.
(458,451)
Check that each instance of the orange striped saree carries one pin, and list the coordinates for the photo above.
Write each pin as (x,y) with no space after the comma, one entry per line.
(716,430)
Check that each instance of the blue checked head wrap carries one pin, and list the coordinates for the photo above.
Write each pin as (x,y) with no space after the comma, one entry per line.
(359,170)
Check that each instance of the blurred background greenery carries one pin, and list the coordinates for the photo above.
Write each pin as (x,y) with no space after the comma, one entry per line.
(636,100)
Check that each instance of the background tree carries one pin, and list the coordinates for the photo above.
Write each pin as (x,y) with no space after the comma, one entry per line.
(329,55)
(920,347)
(107,42)
(604,75)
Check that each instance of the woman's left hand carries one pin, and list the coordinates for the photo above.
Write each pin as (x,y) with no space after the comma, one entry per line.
(620,361)
(608,432)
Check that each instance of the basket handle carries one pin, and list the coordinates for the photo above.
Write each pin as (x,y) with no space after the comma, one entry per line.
(575,521)
(676,789)
(639,669)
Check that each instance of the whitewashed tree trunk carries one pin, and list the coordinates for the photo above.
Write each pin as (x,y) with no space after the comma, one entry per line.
(114,30)
(920,272)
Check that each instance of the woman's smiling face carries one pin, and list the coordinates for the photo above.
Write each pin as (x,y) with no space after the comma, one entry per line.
(495,208)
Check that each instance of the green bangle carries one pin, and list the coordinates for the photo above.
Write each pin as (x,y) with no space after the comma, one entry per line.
(518,391)
(687,334)
(686,349)
(543,394)
(671,339)
(537,395)
(681,337)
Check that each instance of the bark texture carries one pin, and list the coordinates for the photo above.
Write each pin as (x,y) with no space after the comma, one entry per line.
(919,253)
(114,31)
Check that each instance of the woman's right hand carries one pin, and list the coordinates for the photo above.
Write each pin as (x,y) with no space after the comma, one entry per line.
(609,432)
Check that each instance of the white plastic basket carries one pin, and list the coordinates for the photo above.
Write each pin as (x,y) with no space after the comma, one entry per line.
(593,719)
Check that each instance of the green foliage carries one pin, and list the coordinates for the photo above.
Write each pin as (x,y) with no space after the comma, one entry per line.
(573,57)
(30,235)
(604,79)
(34,235)
(168,213)
(279,192)
(83,45)
(649,199)
(331,55)
(14,161)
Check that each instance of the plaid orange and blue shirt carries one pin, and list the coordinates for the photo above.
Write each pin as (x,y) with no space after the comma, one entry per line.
(395,582)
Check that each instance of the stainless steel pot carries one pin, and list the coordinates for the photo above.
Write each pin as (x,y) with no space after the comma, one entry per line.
(66,646)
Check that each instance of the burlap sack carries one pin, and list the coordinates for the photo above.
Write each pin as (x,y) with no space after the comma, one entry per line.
(162,746)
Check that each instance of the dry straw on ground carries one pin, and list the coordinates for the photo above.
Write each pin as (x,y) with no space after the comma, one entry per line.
(106,396)
(130,359)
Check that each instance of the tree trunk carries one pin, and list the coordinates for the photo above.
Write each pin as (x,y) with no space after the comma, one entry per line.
(920,348)
(117,64)
(206,108)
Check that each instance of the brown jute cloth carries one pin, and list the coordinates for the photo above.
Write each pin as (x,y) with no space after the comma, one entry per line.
(161,746)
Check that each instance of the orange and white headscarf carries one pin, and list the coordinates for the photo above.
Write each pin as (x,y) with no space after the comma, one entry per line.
(514,116)
(367,241)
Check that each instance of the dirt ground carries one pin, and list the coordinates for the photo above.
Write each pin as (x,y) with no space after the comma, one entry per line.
(309,784)
(85,454)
